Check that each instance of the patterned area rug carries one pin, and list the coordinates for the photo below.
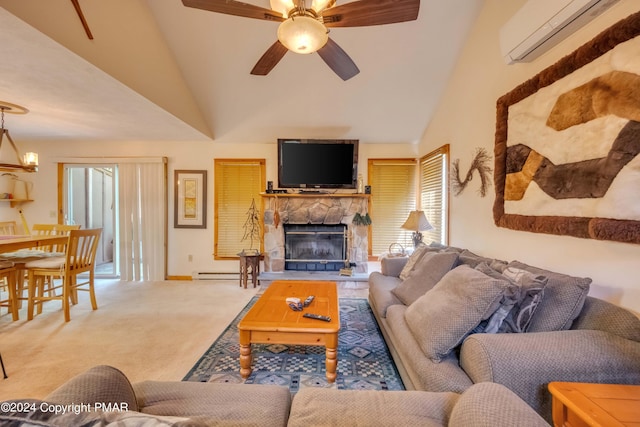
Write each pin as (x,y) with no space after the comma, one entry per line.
(364,361)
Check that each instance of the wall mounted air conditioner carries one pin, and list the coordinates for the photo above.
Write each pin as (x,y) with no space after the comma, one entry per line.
(541,24)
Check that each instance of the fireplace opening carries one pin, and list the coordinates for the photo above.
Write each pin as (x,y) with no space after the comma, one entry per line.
(315,247)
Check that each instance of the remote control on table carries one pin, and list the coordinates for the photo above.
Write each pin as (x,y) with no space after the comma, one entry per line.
(317,316)
(308,300)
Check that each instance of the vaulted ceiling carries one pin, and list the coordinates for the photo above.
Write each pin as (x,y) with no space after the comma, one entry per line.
(157,70)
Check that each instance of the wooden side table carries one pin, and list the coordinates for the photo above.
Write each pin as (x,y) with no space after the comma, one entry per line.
(586,404)
(249,264)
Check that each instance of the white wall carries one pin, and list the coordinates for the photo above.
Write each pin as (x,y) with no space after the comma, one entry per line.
(466,120)
(181,155)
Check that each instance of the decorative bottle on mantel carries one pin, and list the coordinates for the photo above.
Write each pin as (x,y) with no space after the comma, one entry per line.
(360,184)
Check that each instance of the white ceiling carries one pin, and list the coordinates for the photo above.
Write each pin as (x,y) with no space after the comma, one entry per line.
(157,70)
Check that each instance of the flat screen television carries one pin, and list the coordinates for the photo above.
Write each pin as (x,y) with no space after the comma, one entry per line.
(317,163)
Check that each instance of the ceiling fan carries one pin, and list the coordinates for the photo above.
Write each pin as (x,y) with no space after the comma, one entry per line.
(305,29)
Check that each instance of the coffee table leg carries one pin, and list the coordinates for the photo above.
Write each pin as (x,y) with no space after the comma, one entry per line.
(332,357)
(245,354)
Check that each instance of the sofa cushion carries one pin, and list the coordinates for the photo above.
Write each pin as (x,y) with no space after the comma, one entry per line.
(445,315)
(101,383)
(431,267)
(216,403)
(515,315)
(563,300)
(325,407)
(490,405)
(393,265)
(416,256)
(380,295)
(423,373)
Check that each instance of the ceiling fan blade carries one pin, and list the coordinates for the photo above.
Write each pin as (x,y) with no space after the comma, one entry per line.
(338,60)
(231,7)
(270,59)
(76,5)
(363,13)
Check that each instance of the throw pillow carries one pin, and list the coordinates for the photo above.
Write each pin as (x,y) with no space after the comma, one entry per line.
(429,270)
(563,299)
(471,259)
(412,261)
(517,317)
(442,318)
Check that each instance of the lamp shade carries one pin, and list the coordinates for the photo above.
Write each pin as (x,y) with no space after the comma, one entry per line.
(302,34)
(417,221)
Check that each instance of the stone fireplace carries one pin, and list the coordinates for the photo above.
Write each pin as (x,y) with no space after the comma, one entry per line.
(315,247)
(321,215)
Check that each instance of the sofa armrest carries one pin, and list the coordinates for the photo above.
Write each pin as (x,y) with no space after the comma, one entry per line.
(392,266)
(104,384)
(601,315)
(493,405)
(526,363)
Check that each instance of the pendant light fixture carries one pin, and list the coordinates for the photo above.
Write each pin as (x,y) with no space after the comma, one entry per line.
(26,163)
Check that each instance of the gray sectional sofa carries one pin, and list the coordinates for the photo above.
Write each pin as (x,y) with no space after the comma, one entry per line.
(155,403)
(453,319)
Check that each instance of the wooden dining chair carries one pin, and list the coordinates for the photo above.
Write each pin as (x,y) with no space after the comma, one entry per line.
(8,277)
(79,258)
(8,228)
(54,250)
(43,230)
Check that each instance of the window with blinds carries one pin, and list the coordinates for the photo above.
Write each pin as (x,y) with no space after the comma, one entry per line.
(238,184)
(434,194)
(393,196)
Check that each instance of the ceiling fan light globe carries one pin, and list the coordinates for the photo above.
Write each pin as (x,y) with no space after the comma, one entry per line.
(320,5)
(282,6)
(302,34)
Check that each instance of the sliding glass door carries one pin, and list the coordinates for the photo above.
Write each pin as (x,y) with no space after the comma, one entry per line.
(88,199)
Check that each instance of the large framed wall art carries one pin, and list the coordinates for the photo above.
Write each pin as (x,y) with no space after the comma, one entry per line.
(190,199)
(567,143)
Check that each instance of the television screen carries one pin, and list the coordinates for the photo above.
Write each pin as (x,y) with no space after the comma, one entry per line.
(317,163)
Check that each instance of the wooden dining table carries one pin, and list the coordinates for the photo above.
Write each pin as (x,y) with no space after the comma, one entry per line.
(14,243)
(13,248)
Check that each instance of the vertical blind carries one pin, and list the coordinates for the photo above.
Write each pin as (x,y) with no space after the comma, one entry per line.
(238,183)
(142,220)
(393,196)
(434,193)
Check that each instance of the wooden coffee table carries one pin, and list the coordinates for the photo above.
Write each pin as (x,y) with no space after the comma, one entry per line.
(585,404)
(271,320)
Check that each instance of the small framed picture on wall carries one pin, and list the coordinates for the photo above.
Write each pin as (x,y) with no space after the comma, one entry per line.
(190,199)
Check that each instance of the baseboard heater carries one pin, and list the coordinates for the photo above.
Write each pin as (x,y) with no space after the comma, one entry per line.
(206,275)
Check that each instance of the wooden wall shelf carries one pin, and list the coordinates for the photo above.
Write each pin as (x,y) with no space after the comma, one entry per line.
(15,202)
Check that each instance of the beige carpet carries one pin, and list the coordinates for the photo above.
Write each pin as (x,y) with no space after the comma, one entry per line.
(151,331)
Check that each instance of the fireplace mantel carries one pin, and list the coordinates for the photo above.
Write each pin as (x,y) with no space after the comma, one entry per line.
(316,195)
(314,208)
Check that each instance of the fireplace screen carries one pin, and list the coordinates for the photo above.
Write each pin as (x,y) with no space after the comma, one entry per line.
(315,246)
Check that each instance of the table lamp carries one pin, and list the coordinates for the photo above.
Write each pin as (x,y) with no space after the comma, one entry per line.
(417,222)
